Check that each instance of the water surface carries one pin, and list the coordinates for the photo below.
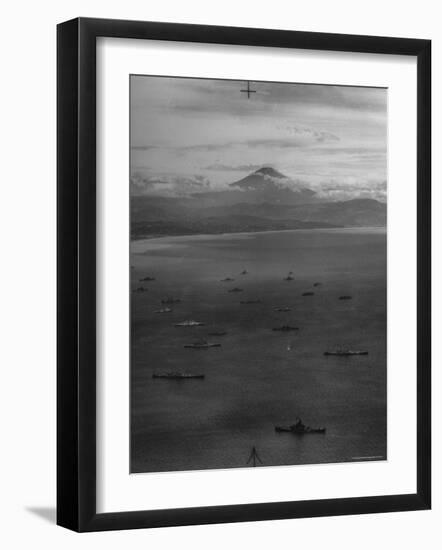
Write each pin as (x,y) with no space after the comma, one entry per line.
(259,378)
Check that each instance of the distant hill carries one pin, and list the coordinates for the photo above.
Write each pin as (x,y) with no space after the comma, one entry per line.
(263,201)
(354,212)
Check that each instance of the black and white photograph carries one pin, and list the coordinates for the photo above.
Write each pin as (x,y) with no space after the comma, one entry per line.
(219,316)
(258,273)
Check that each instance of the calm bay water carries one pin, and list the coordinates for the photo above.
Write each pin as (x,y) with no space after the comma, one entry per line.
(259,378)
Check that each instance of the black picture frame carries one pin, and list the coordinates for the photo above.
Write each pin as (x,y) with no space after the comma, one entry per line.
(76,274)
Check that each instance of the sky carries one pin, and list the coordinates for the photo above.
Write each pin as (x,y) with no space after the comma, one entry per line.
(190,135)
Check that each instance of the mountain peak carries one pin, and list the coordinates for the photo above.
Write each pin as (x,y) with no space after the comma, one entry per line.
(269,185)
(266,178)
(270,172)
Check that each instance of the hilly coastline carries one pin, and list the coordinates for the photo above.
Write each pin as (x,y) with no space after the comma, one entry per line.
(265,200)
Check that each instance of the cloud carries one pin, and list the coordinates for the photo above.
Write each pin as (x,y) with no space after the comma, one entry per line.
(300,139)
(316,132)
(217,166)
(143,147)
(307,135)
(329,189)
(167,185)
(353,151)
(297,137)
(295,184)
(338,191)
(345,97)
(198,96)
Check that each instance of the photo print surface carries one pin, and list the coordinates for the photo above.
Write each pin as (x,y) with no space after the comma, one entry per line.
(258,260)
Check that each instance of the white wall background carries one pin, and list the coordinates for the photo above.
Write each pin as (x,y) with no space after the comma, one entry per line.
(27,289)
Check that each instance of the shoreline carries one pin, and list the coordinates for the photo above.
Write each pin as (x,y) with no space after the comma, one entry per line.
(134,243)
